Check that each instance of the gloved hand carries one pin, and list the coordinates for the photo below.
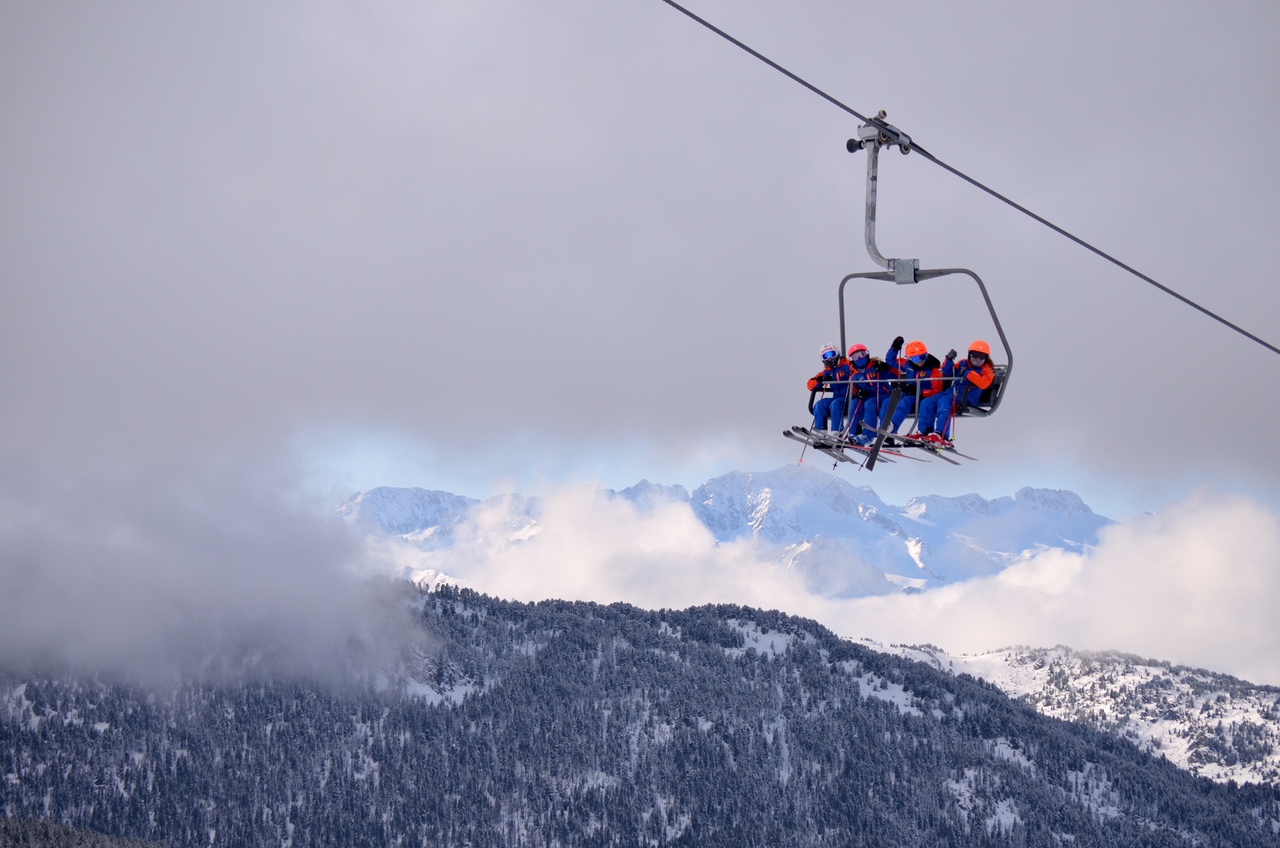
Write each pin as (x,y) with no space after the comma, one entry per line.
(897,343)
(863,394)
(883,366)
(822,378)
(908,386)
(951,354)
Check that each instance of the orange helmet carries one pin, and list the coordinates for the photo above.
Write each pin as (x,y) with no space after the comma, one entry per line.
(915,349)
(981,347)
(854,350)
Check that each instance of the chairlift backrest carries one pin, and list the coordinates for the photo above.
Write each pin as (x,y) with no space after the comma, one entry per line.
(993,395)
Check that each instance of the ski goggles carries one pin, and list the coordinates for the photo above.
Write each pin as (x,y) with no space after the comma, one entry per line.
(978,355)
(919,360)
(830,356)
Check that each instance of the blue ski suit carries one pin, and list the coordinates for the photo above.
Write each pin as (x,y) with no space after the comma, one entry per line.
(976,381)
(831,407)
(927,385)
(969,385)
(872,384)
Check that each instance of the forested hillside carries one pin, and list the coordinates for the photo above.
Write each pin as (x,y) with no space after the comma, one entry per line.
(563,723)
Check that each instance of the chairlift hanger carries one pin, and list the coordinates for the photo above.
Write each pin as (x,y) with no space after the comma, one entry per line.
(873,135)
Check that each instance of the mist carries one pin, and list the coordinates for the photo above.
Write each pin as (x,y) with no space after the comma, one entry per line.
(1196,584)
(219,568)
(604,233)
(225,568)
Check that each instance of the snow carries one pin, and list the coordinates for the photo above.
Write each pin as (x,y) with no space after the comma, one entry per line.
(1005,750)
(963,791)
(1212,725)
(882,689)
(1004,817)
(1093,787)
(900,581)
(772,643)
(397,511)
(840,540)
(452,694)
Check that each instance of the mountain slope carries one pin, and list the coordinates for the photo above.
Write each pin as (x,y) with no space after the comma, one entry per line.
(581,724)
(1210,724)
(924,542)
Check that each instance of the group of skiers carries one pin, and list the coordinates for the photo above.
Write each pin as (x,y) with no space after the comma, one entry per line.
(861,384)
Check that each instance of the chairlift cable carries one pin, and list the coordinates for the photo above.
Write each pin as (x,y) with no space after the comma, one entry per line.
(763,58)
(956,172)
(1098,251)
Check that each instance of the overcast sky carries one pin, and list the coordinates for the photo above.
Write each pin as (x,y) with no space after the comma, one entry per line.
(500,246)
(480,246)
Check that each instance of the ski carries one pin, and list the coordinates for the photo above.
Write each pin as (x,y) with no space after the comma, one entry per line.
(936,451)
(889,409)
(828,448)
(813,440)
(885,453)
(917,442)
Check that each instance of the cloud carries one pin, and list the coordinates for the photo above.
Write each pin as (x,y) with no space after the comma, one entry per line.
(595,224)
(1197,584)
(150,571)
(145,568)
(594,547)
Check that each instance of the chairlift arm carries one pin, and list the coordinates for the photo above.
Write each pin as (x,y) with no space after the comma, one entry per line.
(871,137)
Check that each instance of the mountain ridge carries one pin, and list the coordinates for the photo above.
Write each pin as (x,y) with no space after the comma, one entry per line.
(1211,724)
(835,536)
(928,541)
(578,723)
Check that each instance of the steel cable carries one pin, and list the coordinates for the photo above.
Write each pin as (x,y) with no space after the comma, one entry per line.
(975,183)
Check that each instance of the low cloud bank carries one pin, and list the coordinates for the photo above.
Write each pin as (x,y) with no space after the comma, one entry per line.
(1197,584)
(153,572)
(593,547)
(149,572)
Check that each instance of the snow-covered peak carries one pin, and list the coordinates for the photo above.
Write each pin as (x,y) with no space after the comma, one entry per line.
(930,506)
(1025,499)
(931,540)
(646,495)
(397,511)
(785,505)
(1056,500)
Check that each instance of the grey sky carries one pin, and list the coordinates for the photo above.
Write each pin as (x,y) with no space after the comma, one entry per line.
(488,244)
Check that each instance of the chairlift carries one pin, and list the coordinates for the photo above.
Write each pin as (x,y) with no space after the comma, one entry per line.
(871,137)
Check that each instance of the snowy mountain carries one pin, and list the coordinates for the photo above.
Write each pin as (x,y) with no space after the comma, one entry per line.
(927,541)
(561,723)
(422,515)
(843,540)
(1210,724)
(429,519)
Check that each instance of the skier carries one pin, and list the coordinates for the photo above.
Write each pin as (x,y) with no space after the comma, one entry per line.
(974,376)
(871,384)
(835,374)
(926,387)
